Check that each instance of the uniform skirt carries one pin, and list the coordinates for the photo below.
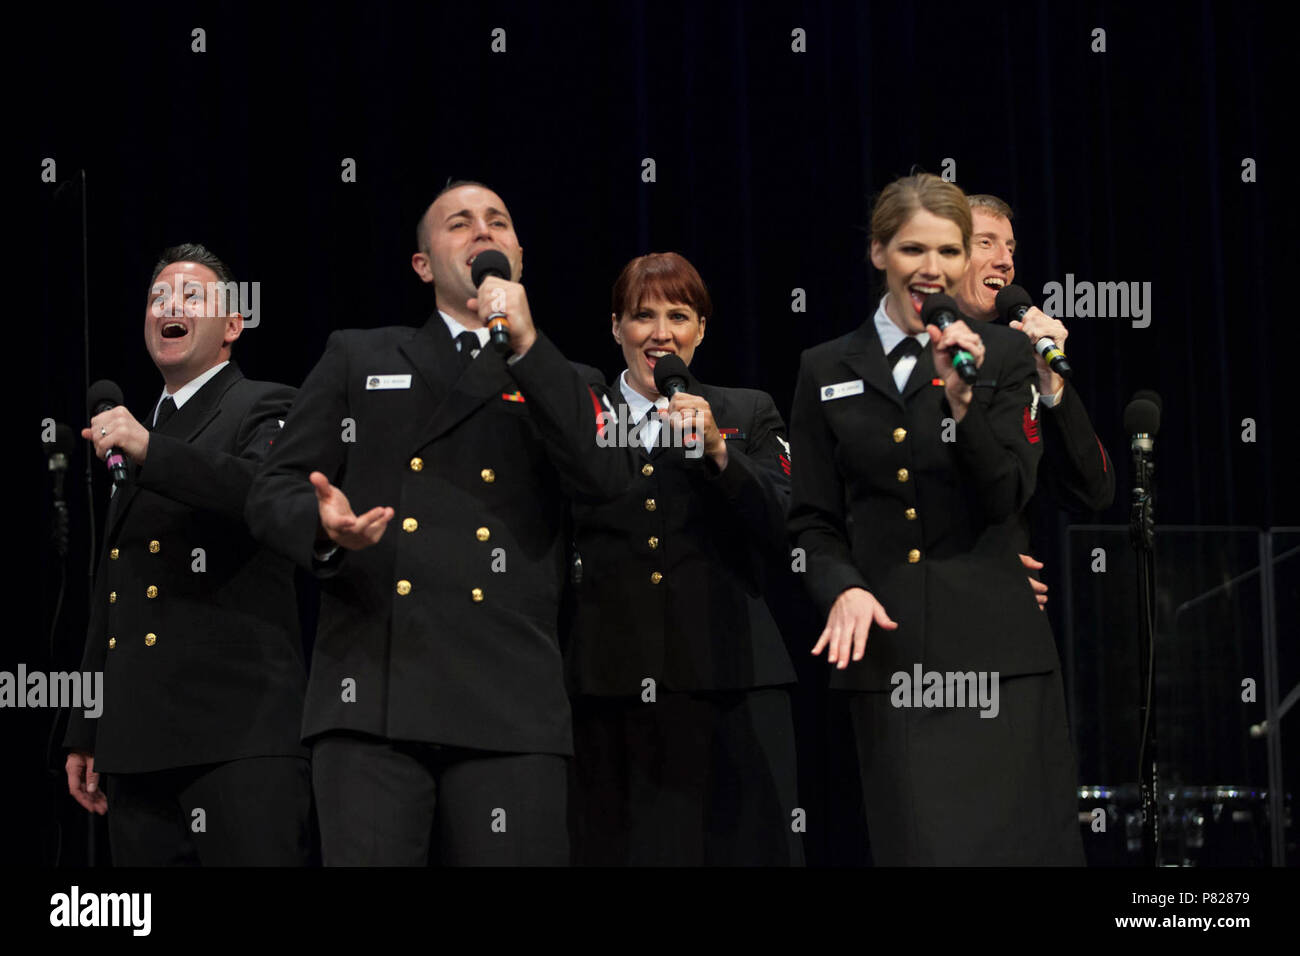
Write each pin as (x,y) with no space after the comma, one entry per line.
(947,787)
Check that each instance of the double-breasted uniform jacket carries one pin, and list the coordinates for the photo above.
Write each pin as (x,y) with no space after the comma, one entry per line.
(890,497)
(674,570)
(445,631)
(194,624)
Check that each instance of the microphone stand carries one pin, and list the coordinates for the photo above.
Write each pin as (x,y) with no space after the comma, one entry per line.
(59,533)
(1142,537)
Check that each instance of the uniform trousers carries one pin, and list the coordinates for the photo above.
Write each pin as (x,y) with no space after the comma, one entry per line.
(404,803)
(255,811)
(692,779)
(947,787)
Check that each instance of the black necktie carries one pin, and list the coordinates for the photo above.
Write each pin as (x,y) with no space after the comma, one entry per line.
(166,409)
(909,346)
(467,343)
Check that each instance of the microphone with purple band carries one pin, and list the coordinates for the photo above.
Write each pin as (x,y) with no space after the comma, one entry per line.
(102,396)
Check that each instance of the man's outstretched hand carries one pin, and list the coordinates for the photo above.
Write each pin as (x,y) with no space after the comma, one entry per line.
(340,525)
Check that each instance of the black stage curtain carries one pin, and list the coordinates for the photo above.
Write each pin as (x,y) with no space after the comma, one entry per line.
(1123,165)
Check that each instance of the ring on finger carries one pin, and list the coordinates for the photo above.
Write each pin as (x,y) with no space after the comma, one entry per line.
(102,431)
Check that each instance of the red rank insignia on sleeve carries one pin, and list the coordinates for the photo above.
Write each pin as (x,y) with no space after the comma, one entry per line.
(1030,426)
(515,396)
(600,412)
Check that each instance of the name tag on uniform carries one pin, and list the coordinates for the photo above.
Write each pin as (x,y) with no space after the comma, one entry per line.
(387,381)
(842,390)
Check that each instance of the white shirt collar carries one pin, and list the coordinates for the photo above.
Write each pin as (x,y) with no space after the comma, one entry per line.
(890,334)
(187,391)
(455,328)
(637,404)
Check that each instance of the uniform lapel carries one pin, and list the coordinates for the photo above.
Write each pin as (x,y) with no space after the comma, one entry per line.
(202,407)
(717,403)
(432,354)
(866,356)
(922,374)
(455,396)
(485,379)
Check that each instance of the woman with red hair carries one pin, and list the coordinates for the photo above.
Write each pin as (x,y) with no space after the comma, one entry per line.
(683,736)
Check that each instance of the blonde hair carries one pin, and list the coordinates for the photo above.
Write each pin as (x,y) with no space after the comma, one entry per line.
(900,200)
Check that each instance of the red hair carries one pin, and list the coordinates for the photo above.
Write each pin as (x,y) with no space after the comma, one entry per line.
(660,275)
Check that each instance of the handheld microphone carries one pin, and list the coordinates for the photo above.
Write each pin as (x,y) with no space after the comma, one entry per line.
(671,375)
(493,262)
(941,310)
(102,396)
(1012,303)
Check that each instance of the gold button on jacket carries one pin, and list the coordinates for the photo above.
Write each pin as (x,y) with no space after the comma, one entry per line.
(650,504)
(911,514)
(153,547)
(403,587)
(417,464)
(656,577)
(488,475)
(409,524)
(902,474)
(151,639)
(647,470)
(899,434)
(112,597)
(913,556)
(112,643)
(482,534)
(113,554)
(476,595)
(151,591)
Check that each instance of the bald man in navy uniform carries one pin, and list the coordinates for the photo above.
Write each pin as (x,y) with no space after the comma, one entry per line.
(423,476)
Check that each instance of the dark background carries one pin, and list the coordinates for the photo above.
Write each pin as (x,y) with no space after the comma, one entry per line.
(1120,166)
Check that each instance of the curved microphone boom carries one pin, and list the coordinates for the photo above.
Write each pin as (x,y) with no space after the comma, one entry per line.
(941,310)
(493,262)
(1012,303)
(102,396)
